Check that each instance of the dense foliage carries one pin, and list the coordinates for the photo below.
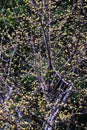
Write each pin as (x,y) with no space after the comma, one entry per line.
(43,68)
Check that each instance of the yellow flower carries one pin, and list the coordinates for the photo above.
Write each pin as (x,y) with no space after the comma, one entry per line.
(1,111)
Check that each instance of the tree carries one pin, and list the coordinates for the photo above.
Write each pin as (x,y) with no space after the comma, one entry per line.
(43,64)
